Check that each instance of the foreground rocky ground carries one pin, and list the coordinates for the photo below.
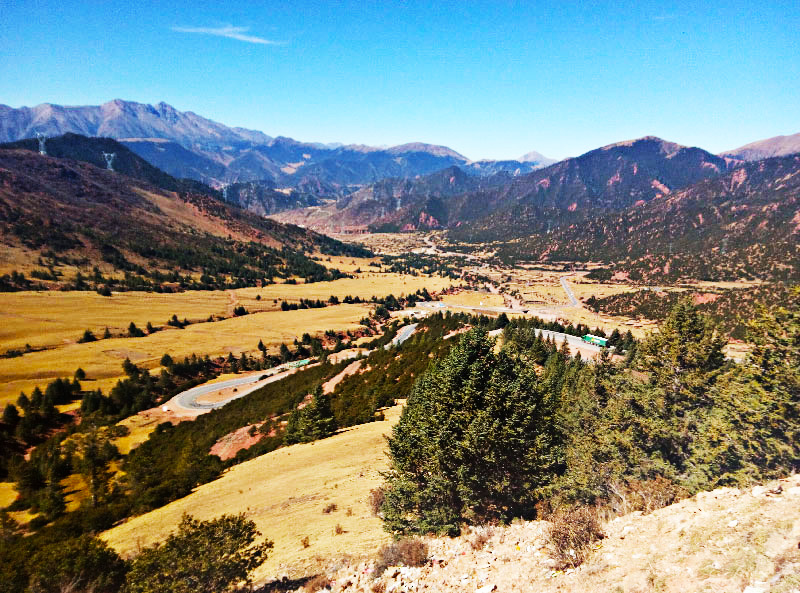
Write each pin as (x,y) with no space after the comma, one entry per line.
(721,541)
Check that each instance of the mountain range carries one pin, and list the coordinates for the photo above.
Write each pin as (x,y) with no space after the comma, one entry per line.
(185,144)
(137,222)
(632,203)
(743,224)
(502,206)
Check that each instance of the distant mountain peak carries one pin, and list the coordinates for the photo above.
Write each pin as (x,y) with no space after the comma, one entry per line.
(667,147)
(769,147)
(536,157)
(433,149)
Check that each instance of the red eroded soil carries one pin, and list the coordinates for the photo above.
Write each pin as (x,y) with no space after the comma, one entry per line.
(229,445)
(705,297)
(350,369)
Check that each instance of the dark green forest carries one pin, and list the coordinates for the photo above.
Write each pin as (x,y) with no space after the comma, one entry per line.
(491,436)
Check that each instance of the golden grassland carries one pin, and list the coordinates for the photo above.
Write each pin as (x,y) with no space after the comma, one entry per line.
(139,428)
(470,298)
(389,243)
(285,492)
(102,360)
(366,285)
(348,265)
(7,494)
(57,319)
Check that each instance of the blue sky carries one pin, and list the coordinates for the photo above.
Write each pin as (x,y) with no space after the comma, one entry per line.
(489,79)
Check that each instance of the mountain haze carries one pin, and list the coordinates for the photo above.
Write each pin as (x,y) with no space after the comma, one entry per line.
(395,204)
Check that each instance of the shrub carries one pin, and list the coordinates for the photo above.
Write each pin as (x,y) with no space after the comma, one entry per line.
(134,332)
(405,552)
(330,508)
(80,564)
(305,542)
(476,442)
(375,500)
(646,495)
(479,537)
(571,535)
(338,530)
(203,556)
(87,336)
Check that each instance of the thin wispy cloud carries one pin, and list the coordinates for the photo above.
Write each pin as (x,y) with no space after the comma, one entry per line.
(664,17)
(229,31)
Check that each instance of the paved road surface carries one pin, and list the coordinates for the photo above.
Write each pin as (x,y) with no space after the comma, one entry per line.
(572,300)
(186,401)
(437,305)
(402,335)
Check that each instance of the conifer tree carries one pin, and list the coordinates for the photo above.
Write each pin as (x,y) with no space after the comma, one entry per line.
(476,442)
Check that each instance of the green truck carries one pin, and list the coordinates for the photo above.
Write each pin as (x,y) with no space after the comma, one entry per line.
(596,340)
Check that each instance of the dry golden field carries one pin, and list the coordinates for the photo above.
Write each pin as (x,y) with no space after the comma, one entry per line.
(348,265)
(7,494)
(284,492)
(388,243)
(57,319)
(102,360)
(469,298)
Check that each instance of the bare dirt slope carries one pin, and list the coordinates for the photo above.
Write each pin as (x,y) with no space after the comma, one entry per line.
(722,541)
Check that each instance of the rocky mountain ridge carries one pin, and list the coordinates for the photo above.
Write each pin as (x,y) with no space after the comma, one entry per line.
(185,144)
(505,206)
(743,224)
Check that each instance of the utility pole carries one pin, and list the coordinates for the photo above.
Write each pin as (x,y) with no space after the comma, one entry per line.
(42,139)
(109,156)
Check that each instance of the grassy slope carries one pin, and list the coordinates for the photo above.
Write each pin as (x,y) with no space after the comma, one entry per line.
(284,492)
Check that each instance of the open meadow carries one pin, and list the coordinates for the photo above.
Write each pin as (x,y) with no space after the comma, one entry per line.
(471,298)
(285,493)
(56,320)
(102,360)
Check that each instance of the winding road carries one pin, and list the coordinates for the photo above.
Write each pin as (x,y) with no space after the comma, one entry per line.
(405,332)
(185,403)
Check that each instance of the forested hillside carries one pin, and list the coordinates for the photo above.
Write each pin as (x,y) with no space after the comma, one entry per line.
(489,436)
(66,212)
(742,225)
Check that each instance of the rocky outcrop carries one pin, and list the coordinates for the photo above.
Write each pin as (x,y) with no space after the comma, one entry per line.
(725,540)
